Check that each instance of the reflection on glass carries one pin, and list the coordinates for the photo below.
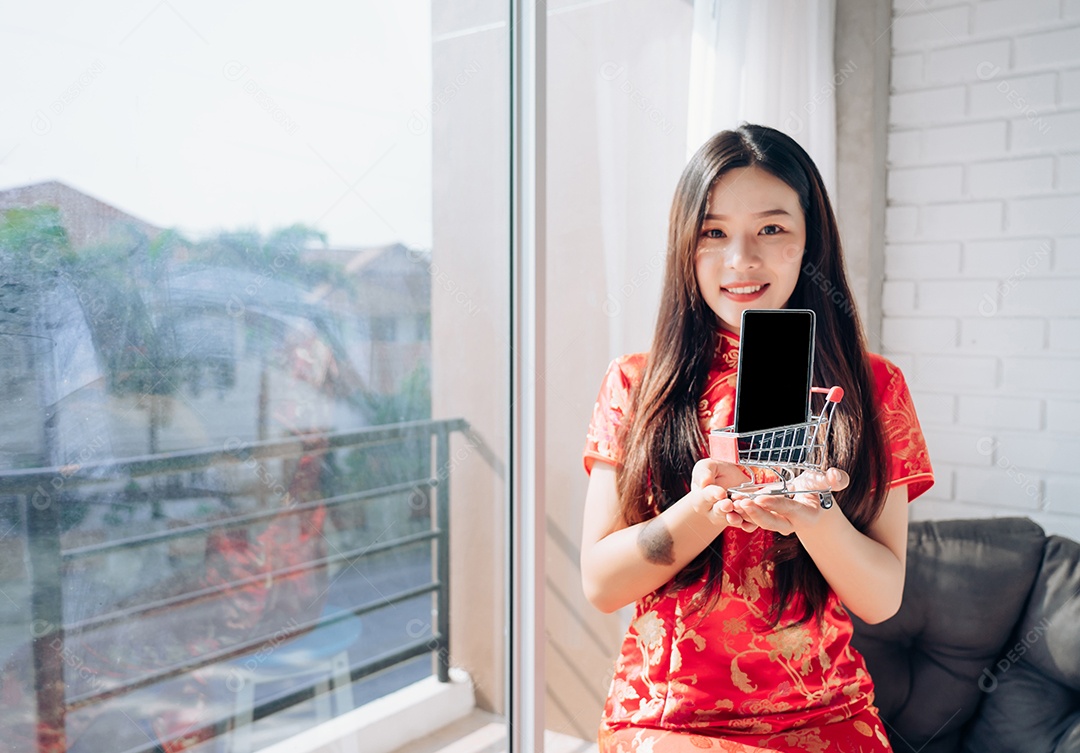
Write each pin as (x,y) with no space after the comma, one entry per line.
(185,443)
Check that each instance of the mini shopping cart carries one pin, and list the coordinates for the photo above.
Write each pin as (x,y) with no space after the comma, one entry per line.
(785,450)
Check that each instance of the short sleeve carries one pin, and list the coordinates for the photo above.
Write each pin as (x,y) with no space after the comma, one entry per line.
(611,410)
(909,460)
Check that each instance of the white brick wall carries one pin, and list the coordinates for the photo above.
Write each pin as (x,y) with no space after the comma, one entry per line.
(982,260)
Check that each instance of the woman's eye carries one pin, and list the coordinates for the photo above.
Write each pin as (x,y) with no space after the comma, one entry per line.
(771,230)
(714,233)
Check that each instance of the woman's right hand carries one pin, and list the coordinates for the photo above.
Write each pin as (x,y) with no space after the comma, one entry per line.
(708,471)
(711,479)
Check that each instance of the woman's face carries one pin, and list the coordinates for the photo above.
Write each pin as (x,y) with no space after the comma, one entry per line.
(751,245)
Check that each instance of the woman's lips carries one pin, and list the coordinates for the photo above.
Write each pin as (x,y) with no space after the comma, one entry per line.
(745,292)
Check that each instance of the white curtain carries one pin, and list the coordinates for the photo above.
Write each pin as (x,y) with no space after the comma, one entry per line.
(767,62)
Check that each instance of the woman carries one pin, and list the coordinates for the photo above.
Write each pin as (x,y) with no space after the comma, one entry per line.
(740,639)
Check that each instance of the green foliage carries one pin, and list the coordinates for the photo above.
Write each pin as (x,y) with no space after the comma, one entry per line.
(412,402)
(34,237)
(123,287)
(402,460)
(277,255)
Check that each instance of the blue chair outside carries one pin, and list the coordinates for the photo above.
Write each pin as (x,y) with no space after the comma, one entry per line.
(322,654)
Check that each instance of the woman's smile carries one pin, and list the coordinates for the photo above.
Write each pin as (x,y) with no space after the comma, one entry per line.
(744,292)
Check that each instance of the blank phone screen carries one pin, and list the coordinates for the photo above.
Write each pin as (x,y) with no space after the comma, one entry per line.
(776,359)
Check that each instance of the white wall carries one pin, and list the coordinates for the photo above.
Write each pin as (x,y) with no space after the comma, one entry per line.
(982,262)
(467,120)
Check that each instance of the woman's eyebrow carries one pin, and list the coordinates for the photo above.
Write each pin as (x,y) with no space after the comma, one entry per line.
(766,213)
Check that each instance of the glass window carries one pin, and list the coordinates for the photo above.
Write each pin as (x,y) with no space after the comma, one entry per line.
(384,329)
(244,485)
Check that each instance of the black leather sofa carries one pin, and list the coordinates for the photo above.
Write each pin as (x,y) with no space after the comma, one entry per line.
(984,654)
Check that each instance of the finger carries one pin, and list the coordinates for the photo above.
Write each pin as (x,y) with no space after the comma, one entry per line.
(723,505)
(730,474)
(714,493)
(749,527)
(735,520)
(837,479)
(812,499)
(750,492)
(810,481)
(834,479)
(762,517)
(704,473)
(750,510)
(787,507)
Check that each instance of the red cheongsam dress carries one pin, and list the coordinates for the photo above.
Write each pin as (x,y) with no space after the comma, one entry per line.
(724,680)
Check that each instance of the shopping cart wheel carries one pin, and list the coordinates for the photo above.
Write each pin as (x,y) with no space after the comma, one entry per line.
(826,500)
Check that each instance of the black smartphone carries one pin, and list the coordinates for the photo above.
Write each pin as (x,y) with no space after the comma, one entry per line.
(776,364)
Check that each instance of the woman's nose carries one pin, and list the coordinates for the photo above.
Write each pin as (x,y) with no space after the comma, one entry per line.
(742,254)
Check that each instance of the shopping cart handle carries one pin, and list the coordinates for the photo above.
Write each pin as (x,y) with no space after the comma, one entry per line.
(832,394)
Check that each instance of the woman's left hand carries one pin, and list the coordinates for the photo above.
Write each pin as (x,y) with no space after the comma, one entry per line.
(786,515)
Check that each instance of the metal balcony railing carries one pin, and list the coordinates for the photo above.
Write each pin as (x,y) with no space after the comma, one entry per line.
(46,562)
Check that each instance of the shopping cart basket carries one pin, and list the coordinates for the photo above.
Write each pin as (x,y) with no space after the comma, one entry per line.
(787,451)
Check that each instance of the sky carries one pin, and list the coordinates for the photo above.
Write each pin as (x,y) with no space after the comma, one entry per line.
(206,116)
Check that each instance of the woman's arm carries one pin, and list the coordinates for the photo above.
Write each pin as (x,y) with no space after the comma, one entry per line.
(865,571)
(621,564)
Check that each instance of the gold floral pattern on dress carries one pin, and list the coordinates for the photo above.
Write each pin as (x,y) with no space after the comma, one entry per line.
(727,352)
(791,643)
(740,678)
(696,638)
(823,657)
(880,735)
(651,632)
(735,625)
(910,458)
(721,709)
(863,728)
(754,579)
(651,707)
(813,737)
(752,726)
(806,739)
(763,706)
